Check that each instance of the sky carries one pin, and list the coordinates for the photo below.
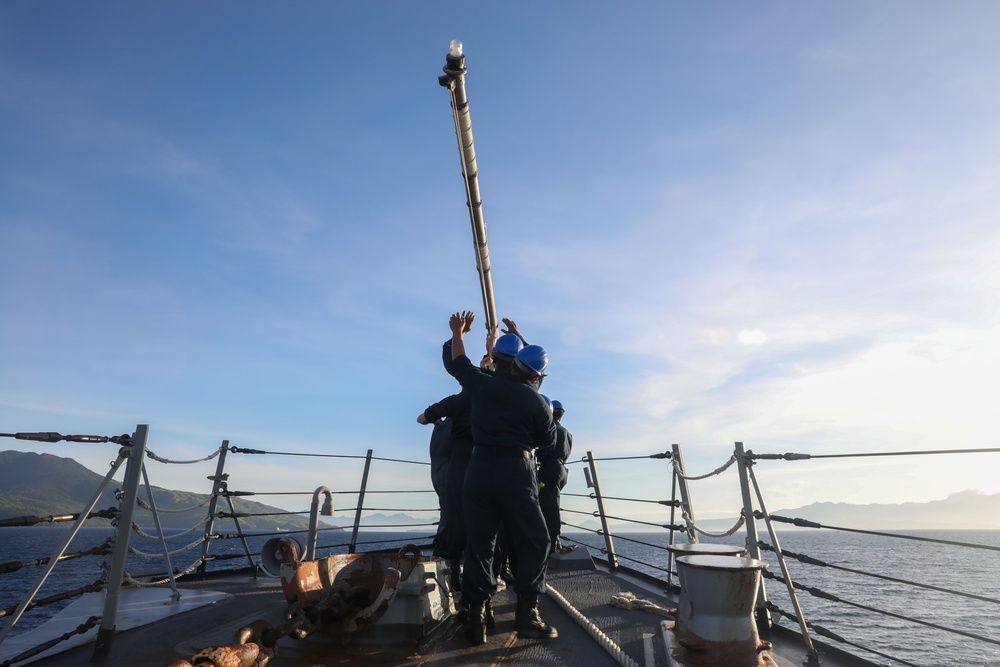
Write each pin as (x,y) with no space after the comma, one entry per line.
(773,223)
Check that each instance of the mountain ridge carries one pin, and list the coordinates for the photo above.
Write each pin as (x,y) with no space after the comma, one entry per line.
(43,485)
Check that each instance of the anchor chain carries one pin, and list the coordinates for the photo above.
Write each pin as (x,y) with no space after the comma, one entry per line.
(255,644)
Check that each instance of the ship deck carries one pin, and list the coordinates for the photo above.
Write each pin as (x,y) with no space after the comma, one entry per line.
(588,590)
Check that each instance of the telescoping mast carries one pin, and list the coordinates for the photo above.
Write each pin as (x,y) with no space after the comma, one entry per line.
(454,80)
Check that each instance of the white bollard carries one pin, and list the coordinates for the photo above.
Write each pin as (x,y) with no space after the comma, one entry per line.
(715,625)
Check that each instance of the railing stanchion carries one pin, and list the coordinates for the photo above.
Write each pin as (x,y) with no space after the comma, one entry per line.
(361,503)
(217,481)
(595,482)
(159,532)
(761,612)
(813,656)
(116,573)
(685,494)
(239,528)
(673,513)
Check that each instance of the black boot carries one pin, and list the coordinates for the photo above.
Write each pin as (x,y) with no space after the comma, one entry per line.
(505,572)
(475,629)
(489,616)
(455,575)
(462,609)
(527,620)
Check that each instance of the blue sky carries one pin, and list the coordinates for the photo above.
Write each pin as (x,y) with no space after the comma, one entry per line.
(774,223)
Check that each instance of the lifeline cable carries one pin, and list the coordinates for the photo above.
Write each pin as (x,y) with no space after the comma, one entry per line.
(612,649)
(820,593)
(829,634)
(809,560)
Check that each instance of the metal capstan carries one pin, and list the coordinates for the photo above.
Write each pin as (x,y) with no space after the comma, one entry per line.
(454,80)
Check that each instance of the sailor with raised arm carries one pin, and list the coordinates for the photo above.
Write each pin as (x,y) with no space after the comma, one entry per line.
(509,419)
(553,475)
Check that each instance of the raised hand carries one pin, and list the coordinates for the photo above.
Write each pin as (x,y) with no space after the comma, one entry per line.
(491,338)
(512,329)
(458,324)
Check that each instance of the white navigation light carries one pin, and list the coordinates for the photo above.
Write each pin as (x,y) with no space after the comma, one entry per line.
(455,50)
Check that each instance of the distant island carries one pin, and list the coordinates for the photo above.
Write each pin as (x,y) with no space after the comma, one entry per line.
(42,484)
(965,510)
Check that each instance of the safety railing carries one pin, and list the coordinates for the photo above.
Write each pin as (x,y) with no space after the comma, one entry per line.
(607,511)
(605,508)
(931,623)
(131,453)
(137,509)
(605,502)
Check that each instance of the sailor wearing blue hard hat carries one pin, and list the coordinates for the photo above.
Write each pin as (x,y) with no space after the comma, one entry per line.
(509,419)
(553,475)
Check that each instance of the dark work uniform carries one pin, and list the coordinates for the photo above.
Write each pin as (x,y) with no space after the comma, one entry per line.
(552,477)
(509,419)
(457,408)
(440,452)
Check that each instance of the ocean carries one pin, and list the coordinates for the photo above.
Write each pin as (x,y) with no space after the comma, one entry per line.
(970,571)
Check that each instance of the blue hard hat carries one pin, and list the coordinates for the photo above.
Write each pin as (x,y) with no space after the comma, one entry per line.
(532,359)
(556,405)
(508,345)
(547,401)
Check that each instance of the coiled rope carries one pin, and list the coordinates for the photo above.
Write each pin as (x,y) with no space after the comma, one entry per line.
(611,648)
(144,505)
(691,478)
(141,533)
(194,545)
(139,584)
(690,522)
(160,459)
(630,601)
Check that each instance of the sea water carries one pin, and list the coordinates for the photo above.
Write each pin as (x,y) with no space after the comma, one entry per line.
(961,569)
(972,571)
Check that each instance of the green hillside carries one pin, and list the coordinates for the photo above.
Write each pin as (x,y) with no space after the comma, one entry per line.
(44,485)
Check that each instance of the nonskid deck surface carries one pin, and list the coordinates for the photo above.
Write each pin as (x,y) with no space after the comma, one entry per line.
(181,636)
(589,591)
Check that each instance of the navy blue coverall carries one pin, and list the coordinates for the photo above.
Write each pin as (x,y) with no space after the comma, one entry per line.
(457,408)
(440,451)
(509,419)
(552,477)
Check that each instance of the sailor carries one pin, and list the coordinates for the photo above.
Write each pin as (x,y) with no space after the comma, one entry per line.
(453,412)
(509,419)
(440,454)
(553,475)
(456,409)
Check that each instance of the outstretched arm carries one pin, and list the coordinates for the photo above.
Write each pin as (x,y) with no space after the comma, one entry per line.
(458,323)
(512,329)
(421,419)
(491,340)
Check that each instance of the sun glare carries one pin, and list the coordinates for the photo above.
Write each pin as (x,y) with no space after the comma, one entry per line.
(752,337)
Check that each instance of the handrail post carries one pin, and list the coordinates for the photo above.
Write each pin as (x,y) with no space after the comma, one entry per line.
(811,654)
(594,481)
(217,480)
(673,513)
(133,473)
(685,494)
(159,532)
(361,503)
(761,612)
(239,528)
